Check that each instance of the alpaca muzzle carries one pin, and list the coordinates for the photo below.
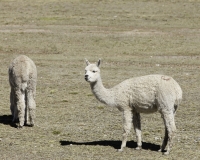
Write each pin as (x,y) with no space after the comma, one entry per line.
(86,77)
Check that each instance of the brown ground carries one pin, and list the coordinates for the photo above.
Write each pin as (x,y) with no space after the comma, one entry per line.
(133,38)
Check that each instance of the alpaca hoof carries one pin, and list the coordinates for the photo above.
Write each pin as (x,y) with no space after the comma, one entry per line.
(31,125)
(19,127)
(119,150)
(138,148)
(166,153)
(160,150)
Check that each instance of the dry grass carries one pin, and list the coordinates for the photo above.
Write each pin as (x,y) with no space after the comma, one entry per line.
(133,38)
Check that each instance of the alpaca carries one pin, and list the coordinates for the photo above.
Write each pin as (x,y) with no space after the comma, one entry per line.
(146,94)
(23,79)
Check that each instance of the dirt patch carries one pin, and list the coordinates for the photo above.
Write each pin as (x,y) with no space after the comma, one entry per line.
(134,38)
(22,29)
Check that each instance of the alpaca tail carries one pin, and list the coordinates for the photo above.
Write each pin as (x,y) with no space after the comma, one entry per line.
(175,108)
(178,101)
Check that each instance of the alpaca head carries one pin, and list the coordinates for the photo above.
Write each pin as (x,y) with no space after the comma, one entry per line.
(92,71)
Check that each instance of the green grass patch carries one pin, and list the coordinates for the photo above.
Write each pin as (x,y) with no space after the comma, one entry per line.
(73,93)
(100,107)
(56,132)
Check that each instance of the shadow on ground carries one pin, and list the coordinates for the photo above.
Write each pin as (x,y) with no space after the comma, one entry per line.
(7,120)
(114,144)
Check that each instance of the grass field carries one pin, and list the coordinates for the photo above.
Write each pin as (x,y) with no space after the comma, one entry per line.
(133,38)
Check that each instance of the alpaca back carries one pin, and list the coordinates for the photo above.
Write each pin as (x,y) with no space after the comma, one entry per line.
(22,73)
(145,92)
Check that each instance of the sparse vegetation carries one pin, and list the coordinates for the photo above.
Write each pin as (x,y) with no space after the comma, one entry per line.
(55,132)
(134,38)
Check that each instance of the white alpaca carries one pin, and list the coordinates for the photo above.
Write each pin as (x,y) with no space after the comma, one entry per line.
(146,94)
(23,80)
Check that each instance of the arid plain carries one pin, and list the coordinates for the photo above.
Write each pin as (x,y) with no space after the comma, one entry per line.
(133,38)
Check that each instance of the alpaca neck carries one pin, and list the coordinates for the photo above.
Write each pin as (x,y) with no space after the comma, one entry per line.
(101,93)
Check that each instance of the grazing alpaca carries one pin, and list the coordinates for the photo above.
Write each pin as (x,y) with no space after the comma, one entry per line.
(146,94)
(23,79)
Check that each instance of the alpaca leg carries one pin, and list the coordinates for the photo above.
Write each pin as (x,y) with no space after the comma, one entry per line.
(170,131)
(137,128)
(27,119)
(13,104)
(15,117)
(127,120)
(31,106)
(20,107)
(165,140)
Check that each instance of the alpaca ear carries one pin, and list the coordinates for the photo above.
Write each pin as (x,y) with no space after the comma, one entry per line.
(87,62)
(99,63)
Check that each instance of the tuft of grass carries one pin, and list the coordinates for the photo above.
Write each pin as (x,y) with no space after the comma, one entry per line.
(48,18)
(56,132)
(100,107)
(146,133)
(52,91)
(65,100)
(73,93)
